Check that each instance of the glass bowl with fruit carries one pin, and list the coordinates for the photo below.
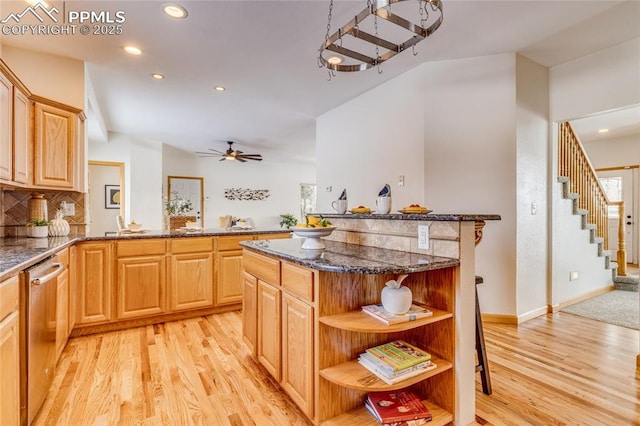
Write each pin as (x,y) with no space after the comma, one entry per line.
(312,230)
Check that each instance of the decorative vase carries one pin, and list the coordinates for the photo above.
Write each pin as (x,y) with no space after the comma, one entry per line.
(396,298)
(37,206)
(59,227)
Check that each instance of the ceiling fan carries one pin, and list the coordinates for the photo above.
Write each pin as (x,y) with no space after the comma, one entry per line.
(231,154)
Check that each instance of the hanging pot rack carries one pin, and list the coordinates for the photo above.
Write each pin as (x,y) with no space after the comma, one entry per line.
(377,9)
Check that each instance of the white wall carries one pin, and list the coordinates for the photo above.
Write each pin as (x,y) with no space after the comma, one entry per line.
(603,81)
(614,152)
(532,98)
(449,127)
(143,175)
(370,141)
(53,77)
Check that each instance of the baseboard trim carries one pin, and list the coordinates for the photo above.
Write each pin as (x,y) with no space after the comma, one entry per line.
(585,296)
(499,319)
(532,314)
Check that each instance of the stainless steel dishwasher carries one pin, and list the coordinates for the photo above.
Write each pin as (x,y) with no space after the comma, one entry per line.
(37,334)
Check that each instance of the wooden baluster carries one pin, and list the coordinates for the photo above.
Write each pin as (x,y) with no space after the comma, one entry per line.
(622,250)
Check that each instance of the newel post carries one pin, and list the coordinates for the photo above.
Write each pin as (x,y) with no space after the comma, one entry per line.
(622,250)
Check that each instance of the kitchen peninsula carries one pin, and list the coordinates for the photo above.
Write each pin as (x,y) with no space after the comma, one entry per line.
(302,314)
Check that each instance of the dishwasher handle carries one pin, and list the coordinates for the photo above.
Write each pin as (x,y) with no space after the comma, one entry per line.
(43,279)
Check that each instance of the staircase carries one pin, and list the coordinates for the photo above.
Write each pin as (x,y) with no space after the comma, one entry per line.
(580,185)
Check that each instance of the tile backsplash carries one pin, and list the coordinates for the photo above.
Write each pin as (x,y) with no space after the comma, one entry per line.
(14,207)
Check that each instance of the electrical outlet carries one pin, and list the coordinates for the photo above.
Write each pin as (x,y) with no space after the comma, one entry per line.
(534,208)
(68,207)
(573,275)
(423,237)
(401,180)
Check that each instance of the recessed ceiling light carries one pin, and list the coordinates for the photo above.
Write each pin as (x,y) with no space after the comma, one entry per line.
(132,50)
(603,130)
(174,10)
(35,2)
(157,76)
(220,88)
(335,60)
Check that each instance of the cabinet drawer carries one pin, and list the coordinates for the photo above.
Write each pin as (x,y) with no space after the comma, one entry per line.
(233,242)
(9,291)
(63,257)
(297,280)
(261,267)
(191,245)
(140,247)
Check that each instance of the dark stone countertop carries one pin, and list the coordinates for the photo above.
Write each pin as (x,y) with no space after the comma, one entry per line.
(17,254)
(349,258)
(435,217)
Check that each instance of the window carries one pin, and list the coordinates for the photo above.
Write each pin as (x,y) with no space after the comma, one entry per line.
(307,198)
(613,188)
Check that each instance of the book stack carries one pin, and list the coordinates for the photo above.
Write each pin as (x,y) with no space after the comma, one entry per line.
(414,313)
(397,408)
(396,361)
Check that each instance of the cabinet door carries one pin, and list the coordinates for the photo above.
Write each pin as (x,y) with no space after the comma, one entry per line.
(73,287)
(62,312)
(269,328)
(21,138)
(54,147)
(250,311)
(141,289)
(297,352)
(191,281)
(94,277)
(6,134)
(10,371)
(229,277)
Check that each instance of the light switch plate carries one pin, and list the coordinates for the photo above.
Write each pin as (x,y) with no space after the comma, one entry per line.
(68,207)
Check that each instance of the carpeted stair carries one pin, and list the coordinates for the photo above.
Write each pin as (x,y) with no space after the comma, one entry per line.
(629,282)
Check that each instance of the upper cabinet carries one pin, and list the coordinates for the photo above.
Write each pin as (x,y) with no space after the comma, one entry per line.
(42,142)
(56,145)
(6,134)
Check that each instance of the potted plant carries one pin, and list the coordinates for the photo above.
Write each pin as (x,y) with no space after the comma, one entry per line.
(37,228)
(176,208)
(288,220)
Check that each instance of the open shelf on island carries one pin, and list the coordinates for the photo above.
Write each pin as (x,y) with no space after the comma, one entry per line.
(361,322)
(361,417)
(352,375)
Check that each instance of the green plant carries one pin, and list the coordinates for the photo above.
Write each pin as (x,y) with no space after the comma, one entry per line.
(178,206)
(288,220)
(37,222)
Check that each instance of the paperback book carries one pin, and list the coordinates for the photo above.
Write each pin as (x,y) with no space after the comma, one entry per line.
(379,313)
(397,408)
(395,377)
(399,354)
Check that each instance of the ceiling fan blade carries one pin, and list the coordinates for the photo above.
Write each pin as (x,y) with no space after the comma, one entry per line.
(240,159)
(252,156)
(216,151)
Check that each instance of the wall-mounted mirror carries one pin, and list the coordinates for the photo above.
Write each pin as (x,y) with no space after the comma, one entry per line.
(191,189)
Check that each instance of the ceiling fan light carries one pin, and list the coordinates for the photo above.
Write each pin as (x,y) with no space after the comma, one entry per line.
(335,60)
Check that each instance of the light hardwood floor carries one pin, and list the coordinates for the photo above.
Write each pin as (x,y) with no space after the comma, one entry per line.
(553,370)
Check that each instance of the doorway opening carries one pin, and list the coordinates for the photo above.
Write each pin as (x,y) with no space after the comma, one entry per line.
(106,197)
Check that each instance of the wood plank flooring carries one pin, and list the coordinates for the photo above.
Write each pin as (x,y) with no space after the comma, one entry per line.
(557,369)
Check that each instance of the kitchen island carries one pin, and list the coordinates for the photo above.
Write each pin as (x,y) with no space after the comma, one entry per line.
(303,322)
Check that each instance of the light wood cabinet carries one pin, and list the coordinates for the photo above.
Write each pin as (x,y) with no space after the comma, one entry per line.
(311,329)
(192,280)
(6,129)
(9,353)
(73,287)
(94,271)
(62,312)
(55,146)
(250,311)
(269,328)
(297,352)
(22,164)
(141,286)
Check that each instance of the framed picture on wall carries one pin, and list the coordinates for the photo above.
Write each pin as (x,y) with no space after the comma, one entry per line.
(112,196)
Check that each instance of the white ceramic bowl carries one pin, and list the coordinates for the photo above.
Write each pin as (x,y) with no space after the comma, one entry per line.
(313,236)
(135,226)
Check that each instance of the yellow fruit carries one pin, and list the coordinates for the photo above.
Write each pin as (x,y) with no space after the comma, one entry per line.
(301,225)
(312,220)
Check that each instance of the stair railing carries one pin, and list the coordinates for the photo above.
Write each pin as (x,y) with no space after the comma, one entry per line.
(574,164)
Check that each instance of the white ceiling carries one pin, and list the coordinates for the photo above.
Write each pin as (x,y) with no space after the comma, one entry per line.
(264,53)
